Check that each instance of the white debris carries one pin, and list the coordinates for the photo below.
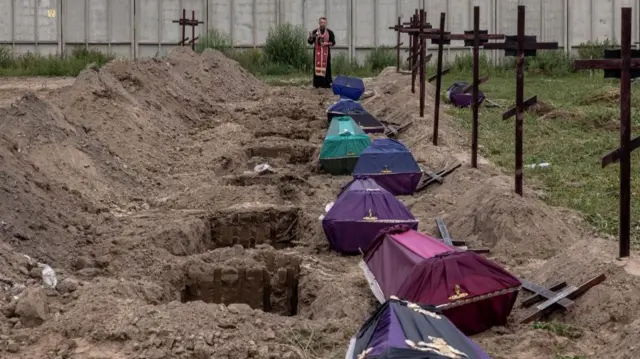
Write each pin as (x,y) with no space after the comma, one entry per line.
(48,275)
(263,168)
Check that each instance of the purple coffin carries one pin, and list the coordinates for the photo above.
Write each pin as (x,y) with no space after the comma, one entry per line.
(359,213)
(390,164)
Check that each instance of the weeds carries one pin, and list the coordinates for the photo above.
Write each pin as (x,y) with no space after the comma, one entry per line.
(30,64)
(214,39)
(563,330)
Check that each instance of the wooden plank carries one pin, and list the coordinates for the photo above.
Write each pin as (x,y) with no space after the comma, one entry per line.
(569,293)
(614,156)
(602,64)
(535,297)
(526,104)
(443,173)
(543,292)
(435,76)
(444,232)
(526,46)
(435,176)
(560,295)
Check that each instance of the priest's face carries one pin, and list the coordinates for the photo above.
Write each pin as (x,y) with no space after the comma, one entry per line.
(323,23)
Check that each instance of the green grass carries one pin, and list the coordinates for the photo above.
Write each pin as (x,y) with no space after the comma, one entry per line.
(583,127)
(561,329)
(31,64)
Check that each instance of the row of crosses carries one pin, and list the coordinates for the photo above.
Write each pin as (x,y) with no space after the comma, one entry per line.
(619,64)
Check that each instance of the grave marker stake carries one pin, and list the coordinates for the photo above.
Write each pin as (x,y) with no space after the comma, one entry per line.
(624,64)
(423,52)
(523,47)
(476,75)
(436,111)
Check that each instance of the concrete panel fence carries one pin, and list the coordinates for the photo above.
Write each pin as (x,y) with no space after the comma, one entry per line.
(144,28)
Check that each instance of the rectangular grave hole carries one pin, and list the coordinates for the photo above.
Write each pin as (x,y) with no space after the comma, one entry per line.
(273,292)
(292,153)
(275,226)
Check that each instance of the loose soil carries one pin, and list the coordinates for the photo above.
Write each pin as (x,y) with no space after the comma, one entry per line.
(136,184)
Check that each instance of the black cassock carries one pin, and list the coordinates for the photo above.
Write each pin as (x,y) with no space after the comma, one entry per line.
(322,81)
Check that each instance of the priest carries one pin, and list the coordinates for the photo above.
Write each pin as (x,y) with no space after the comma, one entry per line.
(322,40)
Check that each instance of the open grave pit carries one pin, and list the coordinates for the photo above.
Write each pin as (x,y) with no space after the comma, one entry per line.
(252,224)
(267,179)
(263,279)
(282,127)
(292,151)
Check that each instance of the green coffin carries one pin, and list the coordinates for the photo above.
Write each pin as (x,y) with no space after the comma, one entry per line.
(342,146)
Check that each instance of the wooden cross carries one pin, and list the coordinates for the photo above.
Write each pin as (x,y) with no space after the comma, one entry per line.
(441,40)
(552,298)
(475,38)
(398,44)
(184,22)
(414,27)
(446,238)
(520,46)
(621,67)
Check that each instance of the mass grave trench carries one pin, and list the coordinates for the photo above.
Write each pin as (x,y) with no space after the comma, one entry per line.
(250,225)
(263,279)
(295,152)
(268,179)
(282,127)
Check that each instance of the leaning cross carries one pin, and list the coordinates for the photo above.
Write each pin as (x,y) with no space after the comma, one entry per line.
(626,60)
(520,46)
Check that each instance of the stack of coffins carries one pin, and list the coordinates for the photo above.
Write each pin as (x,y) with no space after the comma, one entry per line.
(391,164)
(342,146)
(359,213)
(472,291)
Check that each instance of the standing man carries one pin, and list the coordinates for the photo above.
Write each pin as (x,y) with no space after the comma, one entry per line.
(322,39)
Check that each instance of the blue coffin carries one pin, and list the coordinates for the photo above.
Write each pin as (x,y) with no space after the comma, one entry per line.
(342,107)
(348,87)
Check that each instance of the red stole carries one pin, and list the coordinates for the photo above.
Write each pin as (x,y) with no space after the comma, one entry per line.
(321,52)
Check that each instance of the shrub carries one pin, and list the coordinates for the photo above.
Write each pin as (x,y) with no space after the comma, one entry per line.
(287,45)
(556,63)
(595,49)
(214,39)
(379,58)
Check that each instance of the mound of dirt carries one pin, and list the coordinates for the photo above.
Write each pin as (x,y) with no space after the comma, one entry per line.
(610,95)
(516,228)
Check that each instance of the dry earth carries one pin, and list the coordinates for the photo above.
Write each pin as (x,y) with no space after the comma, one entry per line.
(135,183)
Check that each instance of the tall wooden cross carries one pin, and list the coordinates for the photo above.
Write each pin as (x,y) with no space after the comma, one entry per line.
(625,66)
(414,27)
(479,38)
(475,38)
(418,57)
(184,22)
(520,46)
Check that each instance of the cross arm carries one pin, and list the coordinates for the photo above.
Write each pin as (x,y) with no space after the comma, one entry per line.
(436,35)
(526,46)
(416,30)
(526,104)
(469,87)
(614,156)
(604,64)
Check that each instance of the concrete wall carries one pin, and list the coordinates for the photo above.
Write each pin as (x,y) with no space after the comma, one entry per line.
(143,28)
